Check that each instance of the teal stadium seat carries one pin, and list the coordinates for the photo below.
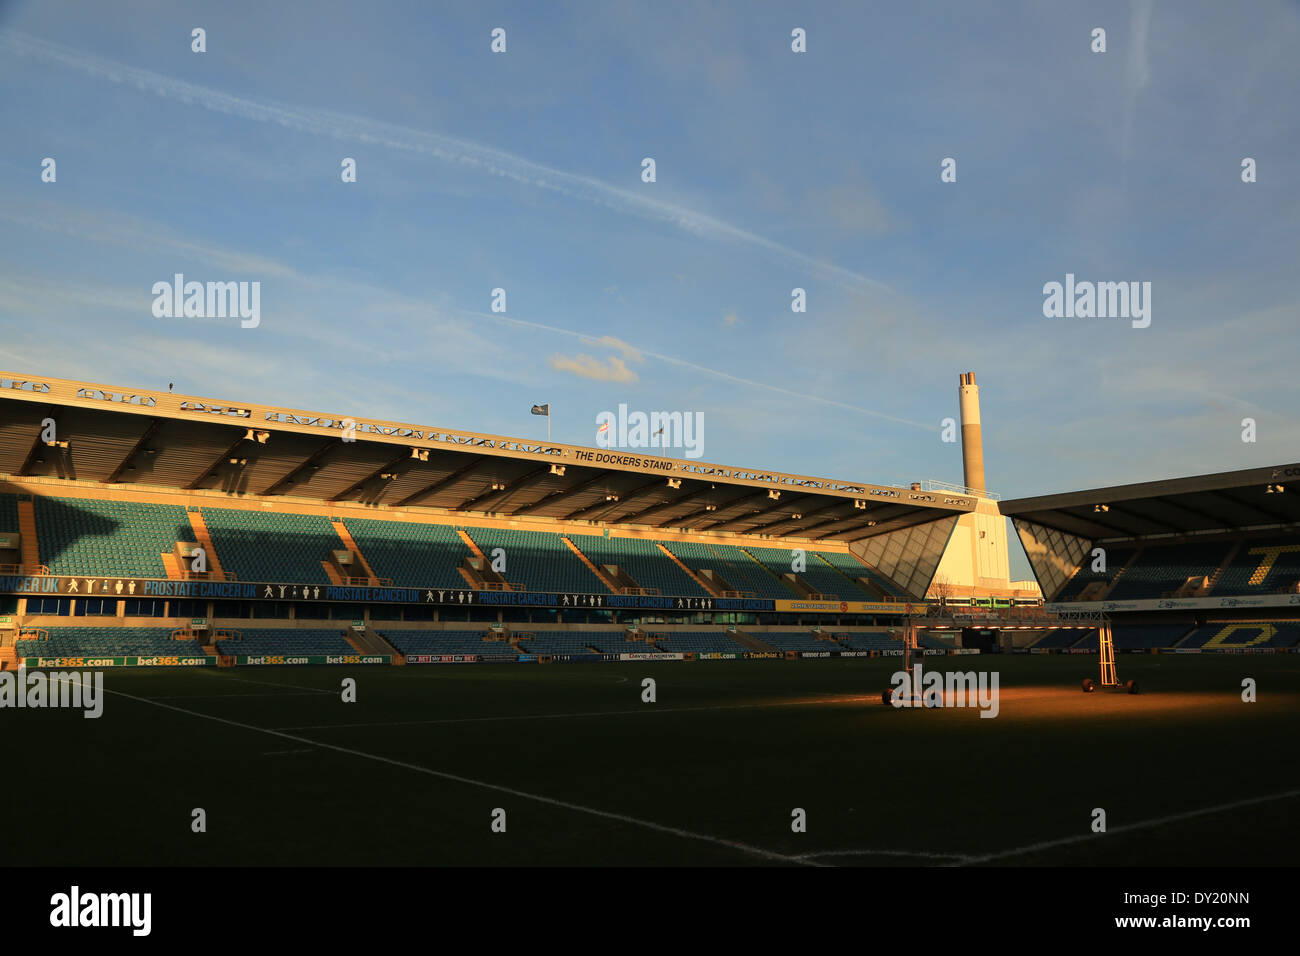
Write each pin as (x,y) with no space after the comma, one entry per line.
(109,538)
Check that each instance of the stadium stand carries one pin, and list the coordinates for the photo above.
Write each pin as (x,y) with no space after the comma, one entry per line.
(1253,570)
(1116,558)
(852,568)
(642,559)
(108,642)
(1250,634)
(413,555)
(271,545)
(110,538)
(539,560)
(559,642)
(616,642)
(259,641)
(697,642)
(1159,571)
(737,569)
(416,641)
(1133,637)
(803,640)
(1062,637)
(818,574)
(870,641)
(8,512)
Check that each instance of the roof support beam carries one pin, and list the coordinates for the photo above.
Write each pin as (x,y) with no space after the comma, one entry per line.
(555,496)
(628,497)
(735,502)
(441,483)
(153,426)
(511,486)
(37,444)
(315,456)
(217,462)
(356,486)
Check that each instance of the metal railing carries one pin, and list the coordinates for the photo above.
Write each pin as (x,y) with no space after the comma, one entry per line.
(932,484)
(23,569)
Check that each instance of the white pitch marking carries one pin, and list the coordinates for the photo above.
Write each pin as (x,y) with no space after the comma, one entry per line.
(551,801)
(1127,828)
(915,853)
(301,693)
(267,683)
(275,753)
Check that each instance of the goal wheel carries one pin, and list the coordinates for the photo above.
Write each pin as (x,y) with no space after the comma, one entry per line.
(1132,687)
(1088,685)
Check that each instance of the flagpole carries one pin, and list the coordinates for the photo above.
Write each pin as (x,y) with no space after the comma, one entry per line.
(548,423)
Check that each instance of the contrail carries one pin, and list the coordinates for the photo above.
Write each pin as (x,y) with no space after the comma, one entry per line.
(673,360)
(493,161)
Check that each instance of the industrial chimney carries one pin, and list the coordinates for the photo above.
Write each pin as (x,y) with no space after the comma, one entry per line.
(972,441)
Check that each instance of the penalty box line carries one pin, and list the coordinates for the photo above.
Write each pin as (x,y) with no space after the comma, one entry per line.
(469,781)
(1127,828)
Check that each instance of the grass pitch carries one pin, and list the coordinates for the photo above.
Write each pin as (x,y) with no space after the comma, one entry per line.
(587,774)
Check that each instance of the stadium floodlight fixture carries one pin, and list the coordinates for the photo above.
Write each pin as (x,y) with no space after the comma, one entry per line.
(256,435)
(1274,489)
(239,461)
(859,504)
(420,454)
(1100,509)
(710,507)
(388,476)
(674,482)
(611,497)
(773,494)
(558,470)
(498,486)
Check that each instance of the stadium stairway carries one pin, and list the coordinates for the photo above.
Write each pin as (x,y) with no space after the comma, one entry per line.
(1227,561)
(599,572)
(27,528)
(473,547)
(372,642)
(1120,573)
(172,565)
(200,527)
(750,642)
(706,585)
(346,537)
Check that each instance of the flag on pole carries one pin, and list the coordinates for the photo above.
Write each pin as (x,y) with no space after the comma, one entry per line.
(604,427)
(542,409)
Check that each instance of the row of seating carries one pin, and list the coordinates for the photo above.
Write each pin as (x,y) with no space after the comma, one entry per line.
(107,642)
(1258,566)
(1155,636)
(269,640)
(120,538)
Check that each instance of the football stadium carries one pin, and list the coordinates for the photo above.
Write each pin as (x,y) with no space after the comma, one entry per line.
(559,638)
(612,471)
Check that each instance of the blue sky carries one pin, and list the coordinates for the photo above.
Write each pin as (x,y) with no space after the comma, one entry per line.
(775,170)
